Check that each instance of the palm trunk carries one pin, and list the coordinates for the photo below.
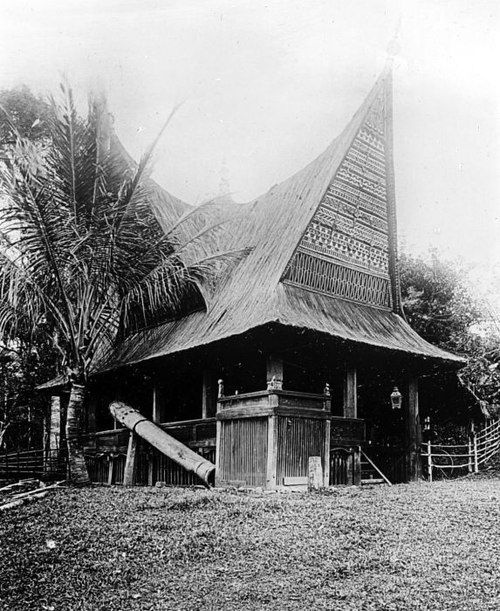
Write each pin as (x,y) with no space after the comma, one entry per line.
(78,473)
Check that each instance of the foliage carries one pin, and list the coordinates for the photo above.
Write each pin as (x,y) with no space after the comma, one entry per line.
(28,112)
(411,547)
(82,252)
(437,302)
(27,363)
(441,307)
(481,375)
(82,255)
(28,360)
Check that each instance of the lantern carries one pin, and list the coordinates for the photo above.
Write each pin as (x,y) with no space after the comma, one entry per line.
(396,398)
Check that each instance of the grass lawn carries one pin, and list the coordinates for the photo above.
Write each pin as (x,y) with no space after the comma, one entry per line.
(424,546)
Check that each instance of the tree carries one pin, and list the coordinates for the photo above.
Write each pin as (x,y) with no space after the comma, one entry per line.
(82,254)
(28,361)
(437,302)
(441,307)
(28,112)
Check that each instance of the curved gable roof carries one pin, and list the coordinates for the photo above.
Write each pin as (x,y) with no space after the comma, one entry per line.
(251,294)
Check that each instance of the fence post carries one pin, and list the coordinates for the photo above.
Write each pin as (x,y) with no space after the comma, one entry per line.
(129,471)
(111,464)
(429,460)
(474,441)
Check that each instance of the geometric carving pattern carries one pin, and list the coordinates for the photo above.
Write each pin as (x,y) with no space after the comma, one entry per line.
(350,227)
(328,277)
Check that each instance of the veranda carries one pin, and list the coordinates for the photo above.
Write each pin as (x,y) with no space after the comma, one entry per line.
(259,407)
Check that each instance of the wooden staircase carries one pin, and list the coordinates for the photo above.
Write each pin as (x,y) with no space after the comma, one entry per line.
(370,473)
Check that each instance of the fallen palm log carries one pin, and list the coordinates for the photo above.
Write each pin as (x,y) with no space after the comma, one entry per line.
(40,492)
(11,505)
(37,490)
(20,484)
(163,442)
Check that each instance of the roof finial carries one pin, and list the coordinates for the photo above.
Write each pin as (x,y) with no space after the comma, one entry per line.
(394,48)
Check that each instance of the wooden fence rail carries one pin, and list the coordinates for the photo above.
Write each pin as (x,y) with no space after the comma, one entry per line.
(482,445)
(19,464)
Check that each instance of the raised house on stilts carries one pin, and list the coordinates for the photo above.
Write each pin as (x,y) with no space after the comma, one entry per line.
(295,349)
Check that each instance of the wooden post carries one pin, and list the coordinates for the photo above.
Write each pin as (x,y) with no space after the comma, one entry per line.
(91,414)
(350,394)
(129,473)
(54,433)
(413,432)
(218,448)
(327,403)
(429,459)
(356,466)
(315,479)
(155,416)
(220,390)
(55,423)
(326,470)
(272,452)
(150,467)
(350,467)
(476,462)
(274,372)
(207,395)
(111,464)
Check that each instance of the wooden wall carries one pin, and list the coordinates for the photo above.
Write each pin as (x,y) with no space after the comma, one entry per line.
(298,439)
(243,452)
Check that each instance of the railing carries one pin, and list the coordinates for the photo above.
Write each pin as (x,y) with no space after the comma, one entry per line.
(345,466)
(105,454)
(449,459)
(33,463)
(275,397)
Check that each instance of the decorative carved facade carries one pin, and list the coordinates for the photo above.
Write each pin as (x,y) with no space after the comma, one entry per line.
(345,249)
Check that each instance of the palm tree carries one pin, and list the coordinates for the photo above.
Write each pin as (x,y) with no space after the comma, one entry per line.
(81,251)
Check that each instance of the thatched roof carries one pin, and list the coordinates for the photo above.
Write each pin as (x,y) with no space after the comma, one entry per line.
(255,292)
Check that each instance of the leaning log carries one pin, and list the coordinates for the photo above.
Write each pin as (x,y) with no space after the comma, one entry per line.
(163,442)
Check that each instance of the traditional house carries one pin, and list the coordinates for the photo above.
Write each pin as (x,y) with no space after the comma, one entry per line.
(295,349)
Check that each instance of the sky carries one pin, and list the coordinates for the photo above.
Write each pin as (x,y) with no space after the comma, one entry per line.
(266,85)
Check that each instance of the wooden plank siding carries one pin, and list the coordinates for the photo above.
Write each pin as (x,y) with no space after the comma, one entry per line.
(298,439)
(243,452)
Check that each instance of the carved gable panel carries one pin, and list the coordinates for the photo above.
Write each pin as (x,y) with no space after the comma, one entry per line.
(345,249)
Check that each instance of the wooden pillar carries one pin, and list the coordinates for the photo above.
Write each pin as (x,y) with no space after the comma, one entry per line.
(55,424)
(129,472)
(208,395)
(155,411)
(413,433)
(272,452)
(356,466)
(218,448)
(274,372)
(159,406)
(350,394)
(52,434)
(91,411)
(155,417)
